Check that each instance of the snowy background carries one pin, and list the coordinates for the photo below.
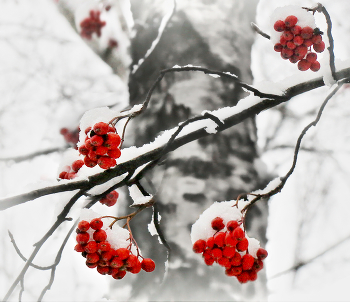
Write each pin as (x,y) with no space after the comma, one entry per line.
(49,77)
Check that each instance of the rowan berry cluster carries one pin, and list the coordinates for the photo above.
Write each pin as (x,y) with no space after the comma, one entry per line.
(296,43)
(92,24)
(70,172)
(229,248)
(71,137)
(93,244)
(101,146)
(110,199)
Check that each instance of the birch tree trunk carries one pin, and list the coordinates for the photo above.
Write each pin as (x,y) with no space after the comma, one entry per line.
(215,35)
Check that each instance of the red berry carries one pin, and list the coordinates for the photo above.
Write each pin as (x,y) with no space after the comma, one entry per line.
(296,30)
(108,202)
(242,245)
(291,45)
(106,256)
(115,153)
(113,141)
(135,269)
(83,238)
(261,254)
(100,150)
(71,175)
(307,42)
(116,262)
(236,260)
(231,225)
(304,65)
(131,260)
(278,47)
(199,246)
(87,130)
(64,131)
(238,233)
(319,47)
(96,140)
(106,162)
(258,265)
(63,175)
(83,150)
(104,246)
(243,277)
(219,239)
(307,32)
(316,39)
(89,162)
(290,21)
(76,165)
(247,262)
(93,156)
(230,240)
(210,242)
(288,35)
(293,59)
(119,275)
(101,128)
(122,253)
(91,265)
(286,53)
(252,275)
(208,259)
(148,265)
(88,144)
(92,258)
(111,128)
(100,235)
(279,26)
(233,271)
(216,253)
(311,57)
(103,270)
(315,66)
(228,251)
(223,261)
(79,248)
(96,223)
(283,41)
(217,224)
(91,247)
(298,40)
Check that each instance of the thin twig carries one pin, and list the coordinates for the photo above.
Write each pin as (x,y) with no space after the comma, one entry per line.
(259,31)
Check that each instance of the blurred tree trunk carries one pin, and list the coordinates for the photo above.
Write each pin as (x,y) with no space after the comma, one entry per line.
(215,35)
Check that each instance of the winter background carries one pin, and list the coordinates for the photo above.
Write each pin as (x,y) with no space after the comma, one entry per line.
(49,77)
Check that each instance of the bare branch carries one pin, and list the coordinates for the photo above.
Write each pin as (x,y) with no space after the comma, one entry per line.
(259,31)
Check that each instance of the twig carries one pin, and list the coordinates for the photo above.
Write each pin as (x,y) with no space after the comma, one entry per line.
(259,31)
(18,159)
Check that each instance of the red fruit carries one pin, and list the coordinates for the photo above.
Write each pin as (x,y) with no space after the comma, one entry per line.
(278,47)
(87,130)
(101,128)
(223,261)
(107,202)
(92,258)
(319,47)
(83,238)
(88,144)
(307,42)
(106,256)
(100,235)
(288,35)
(243,277)
(122,253)
(290,21)
(296,30)
(231,225)
(283,41)
(216,253)
(91,247)
(148,265)
(311,57)
(300,51)
(103,270)
(279,26)
(114,153)
(63,175)
(111,128)
(293,59)
(106,162)
(228,251)
(307,32)
(286,53)
(93,156)
(76,165)
(96,224)
(89,162)
(247,262)
(112,195)
(104,246)
(304,65)
(113,141)
(83,150)
(219,239)
(261,254)
(71,175)
(135,269)
(103,263)
(208,259)
(242,245)
(210,242)
(238,233)
(199,246)
(252,275)
(230,240)
(298,40)
(291,45)
(119,275)
(116,262)
(91,265)
(64,131)
(258,265)
(233,271)
(131,261)
(96,140)
(316,39)
(79,248)
(217,224)
(315,66)
(100,150)
(236,260)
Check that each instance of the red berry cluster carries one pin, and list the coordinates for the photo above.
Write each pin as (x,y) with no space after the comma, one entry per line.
(101,146)
(70,172)
(296,42)
(230,249)
(71,137)
(110,199)
(91,25)
(100,255)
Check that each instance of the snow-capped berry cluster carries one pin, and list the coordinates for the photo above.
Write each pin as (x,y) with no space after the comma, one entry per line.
(229,248)
(101,146)
(104,254)
(110,199)
(70,172)
(71,137)
(92,24)
(297,36)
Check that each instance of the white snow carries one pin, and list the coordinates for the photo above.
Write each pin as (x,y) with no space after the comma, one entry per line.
(138,197)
